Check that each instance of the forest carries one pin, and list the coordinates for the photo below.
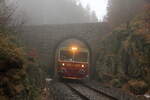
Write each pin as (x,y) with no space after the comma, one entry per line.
(124,54)
(124,57)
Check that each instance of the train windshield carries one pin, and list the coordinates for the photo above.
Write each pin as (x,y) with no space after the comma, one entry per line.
(80,56)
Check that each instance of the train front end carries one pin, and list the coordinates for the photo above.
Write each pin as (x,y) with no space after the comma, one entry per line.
(73,63)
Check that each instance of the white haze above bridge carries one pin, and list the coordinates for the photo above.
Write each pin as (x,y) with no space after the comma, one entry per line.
(37,12)
(98,6)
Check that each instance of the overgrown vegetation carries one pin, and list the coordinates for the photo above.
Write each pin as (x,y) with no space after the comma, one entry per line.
(35,80)
(12,69)
(20,77)
(125,53)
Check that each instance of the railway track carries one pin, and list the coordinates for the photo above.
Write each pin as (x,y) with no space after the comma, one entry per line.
(88,93)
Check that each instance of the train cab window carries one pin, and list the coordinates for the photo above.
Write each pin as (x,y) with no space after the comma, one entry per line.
(65,55)
(80,56)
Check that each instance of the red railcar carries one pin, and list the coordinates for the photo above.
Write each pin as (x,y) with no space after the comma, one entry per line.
(73,63)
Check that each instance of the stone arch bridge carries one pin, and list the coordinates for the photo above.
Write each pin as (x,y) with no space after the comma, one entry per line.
(47,38)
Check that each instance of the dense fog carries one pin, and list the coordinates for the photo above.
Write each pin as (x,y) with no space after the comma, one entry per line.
(37,12)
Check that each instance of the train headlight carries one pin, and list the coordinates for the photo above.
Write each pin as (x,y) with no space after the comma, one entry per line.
(63,64)
(82,66)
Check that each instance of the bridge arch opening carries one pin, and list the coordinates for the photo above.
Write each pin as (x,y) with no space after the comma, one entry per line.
(69,43)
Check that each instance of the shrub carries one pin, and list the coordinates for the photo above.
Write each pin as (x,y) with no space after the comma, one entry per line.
(105,77)
(123,78)
(119,80)
(11,56)
(12,71)
(138,87)
(116,83)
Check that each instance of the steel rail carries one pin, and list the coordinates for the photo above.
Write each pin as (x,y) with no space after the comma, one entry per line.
(91,88)
(100,92)
(83,97)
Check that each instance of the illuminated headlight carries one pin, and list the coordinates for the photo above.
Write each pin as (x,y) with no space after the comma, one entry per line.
(82,66)
(63,64)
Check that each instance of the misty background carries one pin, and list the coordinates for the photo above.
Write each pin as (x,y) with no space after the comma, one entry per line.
(42,12)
